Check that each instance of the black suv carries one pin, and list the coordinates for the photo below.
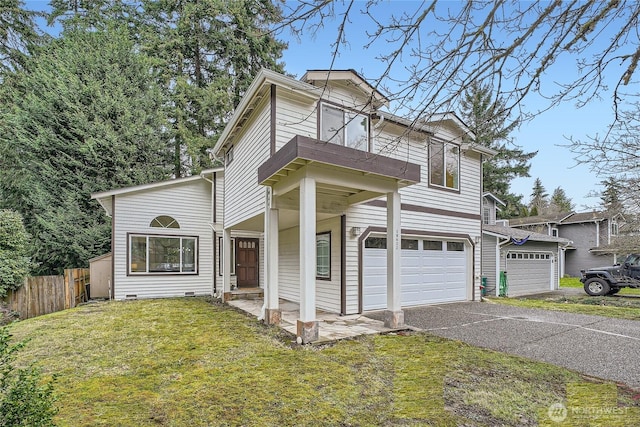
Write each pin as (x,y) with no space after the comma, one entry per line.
(609,280)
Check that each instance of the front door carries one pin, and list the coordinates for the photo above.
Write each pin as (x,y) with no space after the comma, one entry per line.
(247,262)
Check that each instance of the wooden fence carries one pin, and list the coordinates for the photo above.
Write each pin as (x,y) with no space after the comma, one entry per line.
(47,294)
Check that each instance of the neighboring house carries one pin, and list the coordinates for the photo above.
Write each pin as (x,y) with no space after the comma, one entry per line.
(591,235)
(328,201)
(530,261)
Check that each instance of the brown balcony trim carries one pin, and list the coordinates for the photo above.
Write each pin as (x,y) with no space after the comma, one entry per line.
(313,150)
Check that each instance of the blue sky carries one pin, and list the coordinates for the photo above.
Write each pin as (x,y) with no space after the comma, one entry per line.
(546,133)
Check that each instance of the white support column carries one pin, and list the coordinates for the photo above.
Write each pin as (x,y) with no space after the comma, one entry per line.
(394,316)
(307,327)
(272,315)
(226,264)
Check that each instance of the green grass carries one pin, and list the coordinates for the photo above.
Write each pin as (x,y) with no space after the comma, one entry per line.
(188,362)
(609,306)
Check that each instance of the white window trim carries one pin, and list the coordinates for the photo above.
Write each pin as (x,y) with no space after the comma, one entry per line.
(325,235)
(345,112)
(445,150)
(196,256)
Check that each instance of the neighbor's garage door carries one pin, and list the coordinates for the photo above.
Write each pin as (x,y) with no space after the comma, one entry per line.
(529,272)
(432,271)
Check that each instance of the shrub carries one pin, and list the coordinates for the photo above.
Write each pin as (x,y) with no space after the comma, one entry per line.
(25,399)
(14,261)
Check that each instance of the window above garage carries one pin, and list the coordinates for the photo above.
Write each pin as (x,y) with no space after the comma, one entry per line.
(444,165)
(344,127)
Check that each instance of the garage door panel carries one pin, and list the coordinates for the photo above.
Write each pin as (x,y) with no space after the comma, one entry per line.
(428,276)
(530,274)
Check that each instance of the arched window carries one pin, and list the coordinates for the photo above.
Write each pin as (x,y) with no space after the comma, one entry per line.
(164,221)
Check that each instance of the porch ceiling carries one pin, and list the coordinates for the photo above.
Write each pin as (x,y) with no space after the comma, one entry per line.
(340,172)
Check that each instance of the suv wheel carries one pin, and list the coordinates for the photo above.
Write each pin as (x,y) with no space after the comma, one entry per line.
(596,287)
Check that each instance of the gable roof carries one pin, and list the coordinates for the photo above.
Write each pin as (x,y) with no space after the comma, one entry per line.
(563,218)
(490,196)
(519,234)
(452,118)
(104,197)
(264,78)
(585,217)
(540,219)
(350,76)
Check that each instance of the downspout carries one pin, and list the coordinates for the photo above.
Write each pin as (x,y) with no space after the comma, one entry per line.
(213,221)
(498,258)
(112,287)
(343,266)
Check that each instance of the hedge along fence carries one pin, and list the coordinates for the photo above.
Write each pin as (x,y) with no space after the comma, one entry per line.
(48,294)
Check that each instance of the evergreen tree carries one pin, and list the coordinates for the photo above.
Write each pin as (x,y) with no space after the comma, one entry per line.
(14,246)
(612,195)
(489,121)
(539,199)
(18,35)
(206,54)
(209,52)
(560,202)
(86,117)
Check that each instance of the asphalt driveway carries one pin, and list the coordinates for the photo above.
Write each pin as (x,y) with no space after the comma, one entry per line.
(597,346)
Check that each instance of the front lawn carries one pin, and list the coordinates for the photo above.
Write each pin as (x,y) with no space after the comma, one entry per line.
(624,305)
(190,362)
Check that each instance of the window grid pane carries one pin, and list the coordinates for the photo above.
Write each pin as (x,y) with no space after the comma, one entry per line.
(452,158)
(332,125)
(357,131)
(436,163)
(432,245)
(138,254)
(323,256)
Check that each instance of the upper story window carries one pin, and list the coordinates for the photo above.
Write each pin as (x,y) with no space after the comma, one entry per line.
(614,228)
(343,127)
(486,215)
(444,165)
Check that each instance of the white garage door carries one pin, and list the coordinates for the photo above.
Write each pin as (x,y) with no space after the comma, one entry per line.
(529,272)
(432,271)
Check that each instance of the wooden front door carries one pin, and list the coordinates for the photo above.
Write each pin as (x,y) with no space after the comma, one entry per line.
(247,262)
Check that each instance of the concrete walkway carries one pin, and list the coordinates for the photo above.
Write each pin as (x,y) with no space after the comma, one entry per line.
(593,345)
(331,326)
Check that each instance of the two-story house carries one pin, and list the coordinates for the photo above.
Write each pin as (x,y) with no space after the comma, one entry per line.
(591,235)
(325,199)
(523,260)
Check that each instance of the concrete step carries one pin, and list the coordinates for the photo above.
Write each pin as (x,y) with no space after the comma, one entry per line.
(244,294)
